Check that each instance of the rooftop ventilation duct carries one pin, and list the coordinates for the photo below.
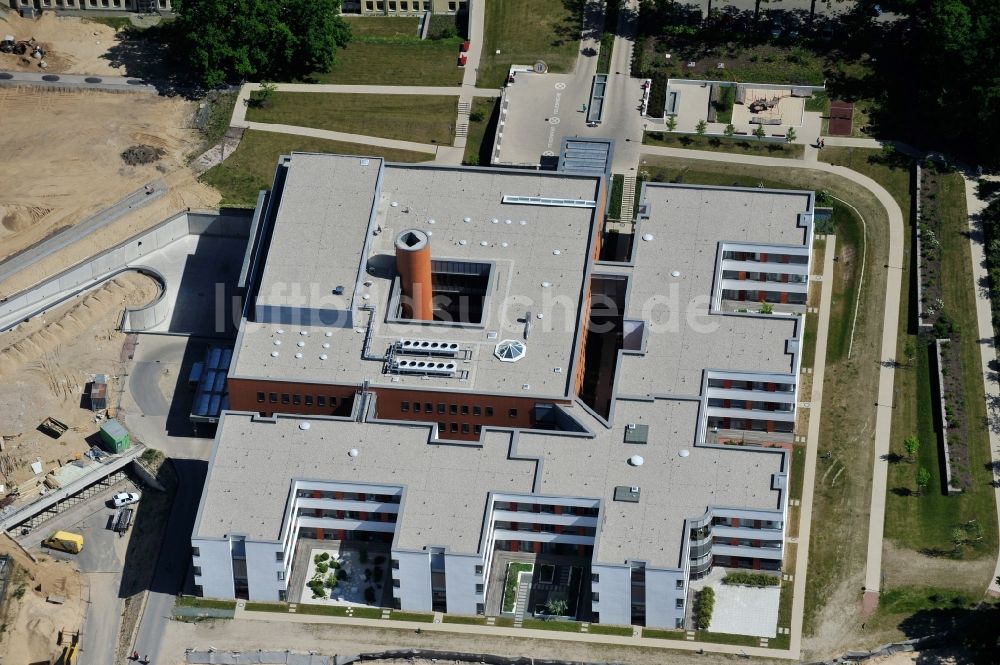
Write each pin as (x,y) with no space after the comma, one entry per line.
(413,263)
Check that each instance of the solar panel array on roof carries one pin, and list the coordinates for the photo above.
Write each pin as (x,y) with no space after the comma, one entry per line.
(211,396)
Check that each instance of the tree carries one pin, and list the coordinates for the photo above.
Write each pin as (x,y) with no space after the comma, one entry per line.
(557,607)
(759,132)
(790,136)
(729,130)
(701,127)
(912,445)
(923,479)
(766,308)
(229,40)
(671,123)
(265,93)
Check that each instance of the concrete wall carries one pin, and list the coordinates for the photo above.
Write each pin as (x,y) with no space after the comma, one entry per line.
(461,580)
(91,272)
(614,589)
(216,563)
(661,598)
(262,571)
(414,576)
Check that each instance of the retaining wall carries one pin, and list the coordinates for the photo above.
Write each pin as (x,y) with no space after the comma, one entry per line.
(124,256)
(922,323)
(946,452)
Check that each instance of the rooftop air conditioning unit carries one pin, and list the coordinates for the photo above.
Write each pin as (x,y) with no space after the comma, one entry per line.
(425,367)
(631,425)
(424,347)
(634,489)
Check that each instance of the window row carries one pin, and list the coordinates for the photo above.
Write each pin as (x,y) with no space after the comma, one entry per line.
(450,409)
(454,428)
(297,400)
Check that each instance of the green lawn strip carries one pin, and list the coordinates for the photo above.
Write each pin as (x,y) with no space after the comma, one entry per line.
(726,638)
(724,105)
(116,22)
(340,611)
(819,102)
(266,607)
(220,112)
(605,53)
(891,170)
(525,31)
(514,569)
(206,603)
(470,621)
(395,62)
(662,634)
(927,522)
(741,145)
(938,607)
(564,626)
(850,237)
(251,168)
(504,622)
(419,617)
(615,200)
(384,26)
(479,139)
(601,629)
(417,118)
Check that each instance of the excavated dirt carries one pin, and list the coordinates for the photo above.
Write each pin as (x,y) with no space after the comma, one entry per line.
(72,46)
(142,154)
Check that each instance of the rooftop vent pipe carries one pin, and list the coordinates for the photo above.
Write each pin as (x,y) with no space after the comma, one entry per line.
(413,263)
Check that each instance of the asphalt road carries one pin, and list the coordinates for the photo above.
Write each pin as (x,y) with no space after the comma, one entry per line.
(172,565)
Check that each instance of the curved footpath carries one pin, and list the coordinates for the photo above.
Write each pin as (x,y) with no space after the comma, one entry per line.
(887,373)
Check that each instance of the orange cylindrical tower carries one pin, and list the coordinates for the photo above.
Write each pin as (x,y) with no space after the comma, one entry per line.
(413,263)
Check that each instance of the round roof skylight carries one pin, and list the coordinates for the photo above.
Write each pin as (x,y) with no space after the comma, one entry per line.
(636,460)
(510,350)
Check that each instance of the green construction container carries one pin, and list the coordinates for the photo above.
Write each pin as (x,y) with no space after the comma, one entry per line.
(115,437)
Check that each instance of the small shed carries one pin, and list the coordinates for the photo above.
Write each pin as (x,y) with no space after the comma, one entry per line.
(114,437)
(99,393)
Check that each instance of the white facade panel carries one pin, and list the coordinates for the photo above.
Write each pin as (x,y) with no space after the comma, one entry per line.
(263,569)
(215,560)
(662,595)
(614,594)
(414,576)
(460,583)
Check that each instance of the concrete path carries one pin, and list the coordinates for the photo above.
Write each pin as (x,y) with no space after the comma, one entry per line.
(341,136)
(72,234)
(887,352)
(76,81)
(812,446)
(478,632)
(987,348)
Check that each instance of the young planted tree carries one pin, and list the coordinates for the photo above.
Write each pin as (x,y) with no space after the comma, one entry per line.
(912,446)
(923,479)
(701,127)
(759,132)
(791,136)
(671,123)
(729,130)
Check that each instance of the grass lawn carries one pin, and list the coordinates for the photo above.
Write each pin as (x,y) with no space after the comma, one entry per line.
(607,49)
(340,611)
(724,105)
(600,629)
(565,626)
(837,550)
(514,571)
(395,61)
(479,139)
(742,145)
(206,603)
(266,607)
(617,191)
(419,617)
(469,621)
(251,168)
(383,26)
(525,31)
(417,118)
(663,634)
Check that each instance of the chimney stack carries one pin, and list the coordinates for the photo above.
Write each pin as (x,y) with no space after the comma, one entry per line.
(413,263)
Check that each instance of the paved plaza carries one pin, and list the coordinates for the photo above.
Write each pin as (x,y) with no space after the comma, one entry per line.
(744,610)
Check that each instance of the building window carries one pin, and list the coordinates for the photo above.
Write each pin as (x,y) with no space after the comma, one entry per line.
(416,407)
(442,427)
(404,407)
(195,551)
(281,575)
(309,400)
(595,597)
(285,398)
(512,413)
(595,577)
(479,570)
(453,409)
(428,407)
(260,398)
(479,588)
(279,557)
(320,400)
(465,428)
(454,427)
(680,585)
(196,571)
(296,400)
(404,5)
(392,5)
(679,604)
(478,429)
(477,410)
(333,402)
(465,409)
(395,584)
(440,407)
(489,412)
(272,398)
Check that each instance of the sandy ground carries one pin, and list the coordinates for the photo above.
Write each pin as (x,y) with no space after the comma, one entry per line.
(32,623)
(44,369)
(63,156)
(72,46)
